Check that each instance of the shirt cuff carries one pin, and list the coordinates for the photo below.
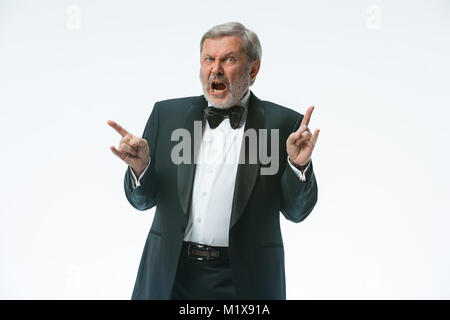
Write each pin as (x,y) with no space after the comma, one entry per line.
(301,175)
(137,182)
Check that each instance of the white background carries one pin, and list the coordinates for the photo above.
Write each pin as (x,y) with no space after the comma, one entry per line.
(377,72)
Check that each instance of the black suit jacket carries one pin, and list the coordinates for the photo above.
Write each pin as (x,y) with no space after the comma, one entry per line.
(255,241)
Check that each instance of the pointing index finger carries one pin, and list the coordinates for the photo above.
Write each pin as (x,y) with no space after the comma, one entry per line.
(307,116)
(118,128)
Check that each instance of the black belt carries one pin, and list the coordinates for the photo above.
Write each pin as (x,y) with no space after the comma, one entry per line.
(203,252)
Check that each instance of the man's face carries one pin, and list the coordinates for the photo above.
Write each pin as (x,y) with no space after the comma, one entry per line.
(224,71)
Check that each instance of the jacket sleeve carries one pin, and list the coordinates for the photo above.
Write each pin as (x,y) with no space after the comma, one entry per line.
(298,198)
(144,197)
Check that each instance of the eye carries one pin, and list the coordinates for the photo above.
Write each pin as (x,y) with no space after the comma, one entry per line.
(209,59)
(230,59)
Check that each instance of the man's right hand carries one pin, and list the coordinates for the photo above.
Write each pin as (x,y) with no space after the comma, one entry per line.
(132,150)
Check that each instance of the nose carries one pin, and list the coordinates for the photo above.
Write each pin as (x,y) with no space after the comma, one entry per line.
(217,68)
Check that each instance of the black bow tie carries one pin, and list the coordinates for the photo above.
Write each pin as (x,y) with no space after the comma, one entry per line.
(215,116)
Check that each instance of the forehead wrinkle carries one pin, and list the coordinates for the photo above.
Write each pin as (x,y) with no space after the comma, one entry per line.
(215,48)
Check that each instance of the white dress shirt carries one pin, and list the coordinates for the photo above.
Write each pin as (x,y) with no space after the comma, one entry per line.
(214,182)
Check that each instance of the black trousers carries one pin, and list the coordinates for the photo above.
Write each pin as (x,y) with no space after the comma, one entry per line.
(203,280)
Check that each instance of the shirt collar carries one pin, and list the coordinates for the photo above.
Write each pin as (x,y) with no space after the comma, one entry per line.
(243,103)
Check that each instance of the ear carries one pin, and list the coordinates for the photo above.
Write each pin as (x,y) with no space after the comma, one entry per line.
(254,69)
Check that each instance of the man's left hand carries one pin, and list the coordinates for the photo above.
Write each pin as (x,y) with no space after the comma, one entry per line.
(300,144)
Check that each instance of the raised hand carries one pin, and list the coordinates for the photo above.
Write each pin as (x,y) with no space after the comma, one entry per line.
(134,151)
(300,144)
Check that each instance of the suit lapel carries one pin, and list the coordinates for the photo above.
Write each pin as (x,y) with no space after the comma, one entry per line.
(247,172)
(186,171)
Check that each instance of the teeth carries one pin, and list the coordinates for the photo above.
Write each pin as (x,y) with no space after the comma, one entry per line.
(214,87)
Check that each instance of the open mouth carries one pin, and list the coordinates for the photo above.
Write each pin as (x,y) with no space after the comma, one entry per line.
(218,87)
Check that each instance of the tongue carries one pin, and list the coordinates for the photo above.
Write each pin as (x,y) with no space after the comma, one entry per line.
(219,86)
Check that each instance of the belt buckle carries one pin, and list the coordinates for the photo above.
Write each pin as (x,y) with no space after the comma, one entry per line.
(198,246)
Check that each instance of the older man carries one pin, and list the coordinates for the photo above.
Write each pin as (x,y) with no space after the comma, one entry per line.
(216,231)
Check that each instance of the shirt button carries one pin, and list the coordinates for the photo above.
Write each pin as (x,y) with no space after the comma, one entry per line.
(204,194)
(199,219)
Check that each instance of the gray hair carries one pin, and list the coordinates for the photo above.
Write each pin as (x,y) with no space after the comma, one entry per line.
(250,41)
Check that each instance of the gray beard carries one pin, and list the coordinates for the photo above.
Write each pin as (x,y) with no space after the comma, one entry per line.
(237,91)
